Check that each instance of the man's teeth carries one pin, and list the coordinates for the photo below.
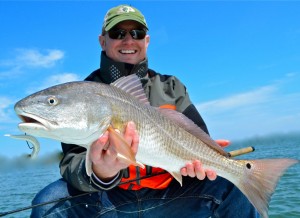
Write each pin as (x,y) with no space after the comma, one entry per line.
(127,51)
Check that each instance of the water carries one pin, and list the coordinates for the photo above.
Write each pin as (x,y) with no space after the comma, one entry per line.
(19,185)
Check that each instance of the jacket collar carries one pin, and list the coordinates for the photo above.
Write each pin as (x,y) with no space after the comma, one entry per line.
(112,70)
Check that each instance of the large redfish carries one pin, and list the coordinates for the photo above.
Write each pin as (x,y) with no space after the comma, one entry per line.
(80,112)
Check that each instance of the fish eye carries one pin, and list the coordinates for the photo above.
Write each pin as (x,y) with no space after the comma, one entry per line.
(52,101)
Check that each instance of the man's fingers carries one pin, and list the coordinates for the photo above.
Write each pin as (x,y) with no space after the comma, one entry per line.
(200,173)
(100,144)
(190,169)
(129,131)
(183,171)
(211,174)
(101,150)
(131,136)
(195,169)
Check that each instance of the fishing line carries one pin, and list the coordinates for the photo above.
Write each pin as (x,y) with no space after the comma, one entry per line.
(28,143)
(72,197)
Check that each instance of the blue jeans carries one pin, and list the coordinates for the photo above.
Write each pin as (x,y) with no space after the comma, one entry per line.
(195,198)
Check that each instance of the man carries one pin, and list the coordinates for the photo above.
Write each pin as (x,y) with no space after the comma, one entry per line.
(120,190)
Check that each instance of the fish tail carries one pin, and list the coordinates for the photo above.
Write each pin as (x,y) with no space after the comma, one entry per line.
(260,180)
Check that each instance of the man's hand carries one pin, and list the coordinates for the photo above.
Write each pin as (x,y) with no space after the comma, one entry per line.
(105,163)
(195,169)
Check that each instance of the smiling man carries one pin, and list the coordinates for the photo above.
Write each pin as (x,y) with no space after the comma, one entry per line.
(122,190)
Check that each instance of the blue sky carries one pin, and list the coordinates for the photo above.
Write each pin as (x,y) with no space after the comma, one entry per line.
(240,60)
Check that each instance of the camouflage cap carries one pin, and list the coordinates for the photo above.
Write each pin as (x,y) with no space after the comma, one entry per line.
(121,13)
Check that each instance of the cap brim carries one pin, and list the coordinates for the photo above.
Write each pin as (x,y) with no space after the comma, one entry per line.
(119,19)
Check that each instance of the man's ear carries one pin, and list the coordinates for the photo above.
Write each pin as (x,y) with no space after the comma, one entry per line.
(102,42)
(147,40)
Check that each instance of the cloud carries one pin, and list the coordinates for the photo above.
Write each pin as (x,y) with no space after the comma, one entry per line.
(241,100)
(61,78)
(10,73)
(24,60)
(265,110)
(36,58)
(55,80)
(33,58)
(5,112)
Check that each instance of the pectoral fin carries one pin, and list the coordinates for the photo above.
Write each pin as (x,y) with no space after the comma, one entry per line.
(122,148)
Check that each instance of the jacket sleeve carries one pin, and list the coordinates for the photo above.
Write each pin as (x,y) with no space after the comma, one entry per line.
(72,169)
(192,113)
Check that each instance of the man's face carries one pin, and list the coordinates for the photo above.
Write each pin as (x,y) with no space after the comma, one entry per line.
(126,50)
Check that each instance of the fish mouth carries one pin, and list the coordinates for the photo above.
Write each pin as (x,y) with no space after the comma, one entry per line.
(33,122)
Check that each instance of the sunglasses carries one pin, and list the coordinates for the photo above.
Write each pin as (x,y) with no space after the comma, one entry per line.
(120,34)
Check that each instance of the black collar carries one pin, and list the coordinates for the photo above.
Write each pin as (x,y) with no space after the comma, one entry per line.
(112,70)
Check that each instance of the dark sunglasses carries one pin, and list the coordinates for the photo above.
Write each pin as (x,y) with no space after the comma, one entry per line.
(120,34)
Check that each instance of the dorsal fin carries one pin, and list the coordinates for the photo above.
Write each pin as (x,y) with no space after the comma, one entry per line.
(132,85)
(187,124)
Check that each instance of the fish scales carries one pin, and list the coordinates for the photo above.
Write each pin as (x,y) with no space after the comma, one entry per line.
(166,139)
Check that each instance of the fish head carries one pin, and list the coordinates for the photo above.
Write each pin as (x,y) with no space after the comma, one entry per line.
(70,113)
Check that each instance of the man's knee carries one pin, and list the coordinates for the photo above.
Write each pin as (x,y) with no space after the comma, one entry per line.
(54,191)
